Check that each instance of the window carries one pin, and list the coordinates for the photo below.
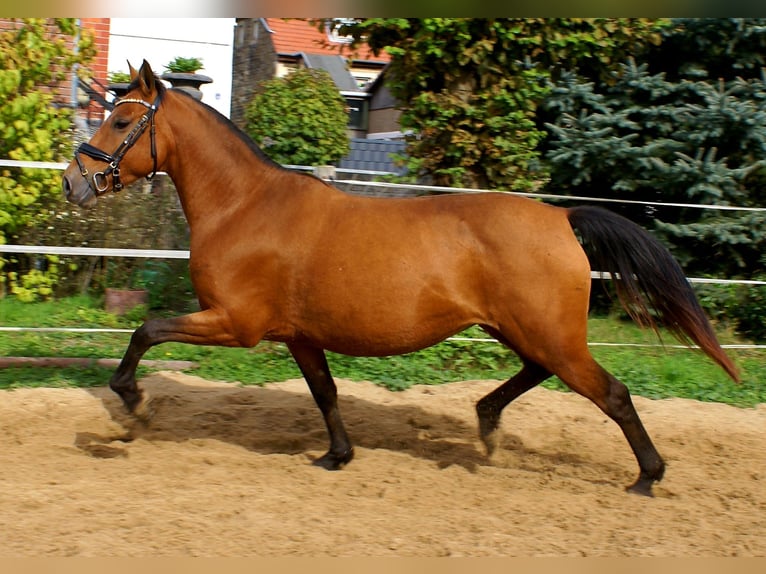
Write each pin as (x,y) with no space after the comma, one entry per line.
(332,27)
(357,113)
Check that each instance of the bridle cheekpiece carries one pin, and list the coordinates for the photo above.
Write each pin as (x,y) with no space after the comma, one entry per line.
(100,179)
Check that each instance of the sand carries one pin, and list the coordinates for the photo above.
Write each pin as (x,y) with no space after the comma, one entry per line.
(224,470)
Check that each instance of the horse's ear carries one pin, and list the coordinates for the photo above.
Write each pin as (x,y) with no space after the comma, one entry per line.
(146,79)
(133,71)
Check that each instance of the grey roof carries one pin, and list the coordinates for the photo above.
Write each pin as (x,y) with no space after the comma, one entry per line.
(336,67)
(373,155)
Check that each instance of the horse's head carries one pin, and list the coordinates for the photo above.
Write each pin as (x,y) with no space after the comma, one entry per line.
(123,149)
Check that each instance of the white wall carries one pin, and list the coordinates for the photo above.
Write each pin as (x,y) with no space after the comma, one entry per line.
(159,40)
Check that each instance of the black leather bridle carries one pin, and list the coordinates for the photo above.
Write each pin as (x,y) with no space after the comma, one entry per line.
(101,178)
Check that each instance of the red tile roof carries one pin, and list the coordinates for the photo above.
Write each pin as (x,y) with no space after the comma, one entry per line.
(294,35)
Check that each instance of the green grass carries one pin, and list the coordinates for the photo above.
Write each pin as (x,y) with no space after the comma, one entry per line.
(653,372)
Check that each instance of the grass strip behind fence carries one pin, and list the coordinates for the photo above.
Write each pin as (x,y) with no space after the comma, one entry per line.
(653,372)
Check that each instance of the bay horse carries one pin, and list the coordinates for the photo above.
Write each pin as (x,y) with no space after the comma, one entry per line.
(283,256)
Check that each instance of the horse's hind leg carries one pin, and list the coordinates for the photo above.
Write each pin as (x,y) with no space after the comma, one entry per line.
(490,407)
(589,379)
(313,364)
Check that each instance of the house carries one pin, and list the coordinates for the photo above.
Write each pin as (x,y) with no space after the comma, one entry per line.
(160,40)
(265,48)
(238,53)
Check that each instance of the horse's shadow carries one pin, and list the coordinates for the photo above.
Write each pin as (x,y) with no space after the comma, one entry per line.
(273,420)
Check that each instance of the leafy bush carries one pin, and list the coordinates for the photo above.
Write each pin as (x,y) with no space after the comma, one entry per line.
(36,284)
(34,55)
(119,77)
(750,314)
(299,119)
(169,284)
(743,307)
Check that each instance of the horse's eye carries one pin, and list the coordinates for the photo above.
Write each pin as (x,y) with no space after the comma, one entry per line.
(121,124)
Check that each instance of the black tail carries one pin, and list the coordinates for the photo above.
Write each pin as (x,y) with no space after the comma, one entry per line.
(649,281)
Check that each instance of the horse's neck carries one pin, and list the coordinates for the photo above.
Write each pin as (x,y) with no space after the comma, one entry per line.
(213,170)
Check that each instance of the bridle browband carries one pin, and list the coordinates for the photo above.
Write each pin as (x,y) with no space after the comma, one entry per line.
(100,179)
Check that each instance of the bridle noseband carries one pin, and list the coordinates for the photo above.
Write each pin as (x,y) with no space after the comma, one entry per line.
(100,179)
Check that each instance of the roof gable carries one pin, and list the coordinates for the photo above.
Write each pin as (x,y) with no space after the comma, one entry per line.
(336,67)
(293,36)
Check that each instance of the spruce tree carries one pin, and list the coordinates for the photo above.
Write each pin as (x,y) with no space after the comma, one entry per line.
(692,141)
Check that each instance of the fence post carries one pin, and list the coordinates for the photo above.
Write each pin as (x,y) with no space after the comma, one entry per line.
(326,172)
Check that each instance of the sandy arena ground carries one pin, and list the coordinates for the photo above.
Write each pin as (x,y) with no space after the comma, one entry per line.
(224,470)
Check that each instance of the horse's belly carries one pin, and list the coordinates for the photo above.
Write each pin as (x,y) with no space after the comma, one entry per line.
(385,322)
(378,344)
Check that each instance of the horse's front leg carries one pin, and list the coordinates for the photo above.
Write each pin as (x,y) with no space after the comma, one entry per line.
(203,328)
(313,364)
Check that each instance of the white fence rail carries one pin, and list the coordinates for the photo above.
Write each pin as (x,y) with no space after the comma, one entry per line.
(96,251)
(184,254)
(440,189)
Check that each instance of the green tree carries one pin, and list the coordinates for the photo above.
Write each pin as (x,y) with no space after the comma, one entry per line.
(469,88)
(300,119)
(35,55)
(685,126)
(692,141)
(713,47)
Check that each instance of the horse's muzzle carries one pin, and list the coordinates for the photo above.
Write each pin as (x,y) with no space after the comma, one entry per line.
(78,192)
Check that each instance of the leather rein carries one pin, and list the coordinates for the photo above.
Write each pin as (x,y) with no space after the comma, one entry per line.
(100,179)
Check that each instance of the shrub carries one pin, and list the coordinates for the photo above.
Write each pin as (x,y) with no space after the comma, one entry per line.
(300,119)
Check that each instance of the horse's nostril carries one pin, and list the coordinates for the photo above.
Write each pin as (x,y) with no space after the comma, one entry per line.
(67,187)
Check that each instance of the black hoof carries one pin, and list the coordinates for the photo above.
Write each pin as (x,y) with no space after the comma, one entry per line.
(489,422)
(144,409)
(489,418)
(647,478)
(642,486)
(136,402)
(331,461)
